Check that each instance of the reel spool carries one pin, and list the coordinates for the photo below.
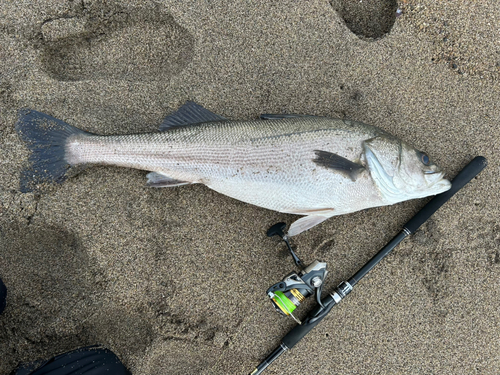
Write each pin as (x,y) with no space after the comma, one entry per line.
(288,294)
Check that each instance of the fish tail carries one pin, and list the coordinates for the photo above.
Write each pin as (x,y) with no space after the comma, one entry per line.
(46,137)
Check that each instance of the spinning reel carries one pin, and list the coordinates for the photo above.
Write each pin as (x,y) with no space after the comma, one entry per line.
(289,293)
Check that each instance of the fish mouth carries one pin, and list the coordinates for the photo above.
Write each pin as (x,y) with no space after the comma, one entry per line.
(435,180)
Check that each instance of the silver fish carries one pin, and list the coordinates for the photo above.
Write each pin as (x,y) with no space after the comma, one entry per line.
(304,165)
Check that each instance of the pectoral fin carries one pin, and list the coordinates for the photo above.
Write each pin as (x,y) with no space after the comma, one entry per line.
(160,180)
(338,164)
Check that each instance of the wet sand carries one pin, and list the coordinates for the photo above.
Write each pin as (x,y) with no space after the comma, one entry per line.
(174,280)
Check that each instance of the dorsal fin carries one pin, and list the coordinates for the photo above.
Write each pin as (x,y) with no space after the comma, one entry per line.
(189,114)
(268,116)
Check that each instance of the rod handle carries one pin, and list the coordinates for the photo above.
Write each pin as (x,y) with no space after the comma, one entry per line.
(470,171)
(312,320)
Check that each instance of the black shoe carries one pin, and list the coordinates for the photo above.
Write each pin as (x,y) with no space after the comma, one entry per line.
(3,296)
(91,360)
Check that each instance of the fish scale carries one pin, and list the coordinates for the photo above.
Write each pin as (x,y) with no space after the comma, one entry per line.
(263,163)
(314,166)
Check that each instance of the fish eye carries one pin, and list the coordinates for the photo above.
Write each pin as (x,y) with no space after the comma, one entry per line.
(424,158)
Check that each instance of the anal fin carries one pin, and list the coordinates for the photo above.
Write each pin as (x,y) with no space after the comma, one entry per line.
(158,180)
(313,218)
(305,223)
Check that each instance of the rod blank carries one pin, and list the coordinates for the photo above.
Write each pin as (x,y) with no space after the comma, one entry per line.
(470,171)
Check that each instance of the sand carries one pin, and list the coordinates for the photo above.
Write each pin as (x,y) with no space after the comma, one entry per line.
(174,280)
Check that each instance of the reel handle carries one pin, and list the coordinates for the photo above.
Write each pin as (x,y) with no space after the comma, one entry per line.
(278,230)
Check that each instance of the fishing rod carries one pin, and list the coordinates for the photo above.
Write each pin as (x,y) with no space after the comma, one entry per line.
(288,294)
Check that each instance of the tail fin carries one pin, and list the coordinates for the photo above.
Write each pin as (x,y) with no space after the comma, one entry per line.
(46,137)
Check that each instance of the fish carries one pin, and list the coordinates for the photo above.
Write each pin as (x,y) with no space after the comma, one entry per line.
(313,166)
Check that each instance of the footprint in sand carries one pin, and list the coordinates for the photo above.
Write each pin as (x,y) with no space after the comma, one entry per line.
(115,43)
(367,18)
(5,92)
